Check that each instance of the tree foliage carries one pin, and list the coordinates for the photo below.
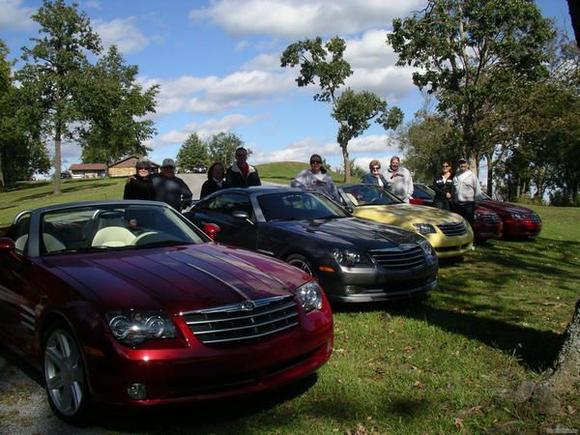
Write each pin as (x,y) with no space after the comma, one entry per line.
(113,105)
(222,148)
(472,54)
(324,64)
(54,69)
(21,151)
(193,152)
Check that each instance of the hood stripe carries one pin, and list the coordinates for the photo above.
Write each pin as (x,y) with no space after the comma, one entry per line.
(217,278)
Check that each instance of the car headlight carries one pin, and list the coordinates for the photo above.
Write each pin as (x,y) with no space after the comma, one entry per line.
(347,257)
(310,296)
(427,248)
(424,228)
(518,216)
(133,327)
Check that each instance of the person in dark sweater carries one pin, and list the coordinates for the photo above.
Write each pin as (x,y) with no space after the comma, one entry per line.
(215,180)
(140,185)
(170,189)
(443,187)
(240,174)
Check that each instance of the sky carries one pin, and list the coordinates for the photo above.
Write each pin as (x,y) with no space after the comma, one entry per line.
(218,66)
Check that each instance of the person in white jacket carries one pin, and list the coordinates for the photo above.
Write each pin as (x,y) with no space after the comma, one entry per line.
(467,191)
(316,179)
(399,179)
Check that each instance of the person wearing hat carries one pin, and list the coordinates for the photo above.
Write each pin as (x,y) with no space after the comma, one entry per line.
(140,185)
(374,176)
(316,179)
(240,174)
(466,191)
(399,179)
(171,189)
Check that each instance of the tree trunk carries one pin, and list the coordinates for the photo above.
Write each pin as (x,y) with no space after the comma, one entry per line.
(489,159)
(346,162)
(57,159)
(567,365)
(2,182)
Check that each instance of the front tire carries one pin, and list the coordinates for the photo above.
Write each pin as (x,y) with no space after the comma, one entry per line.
(302,263)
(64,376)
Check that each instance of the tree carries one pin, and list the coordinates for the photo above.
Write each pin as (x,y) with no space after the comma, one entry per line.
(113,104)
(353,111)
(193,152)
(222,148)
(54,69)
(472,54)
(21,151)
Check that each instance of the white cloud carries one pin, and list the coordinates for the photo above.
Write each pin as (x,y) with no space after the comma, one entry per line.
(264,62)
(123,32)
(15,16)
(301,150)
(302,18)
(214,94)
(94,4)
(207,128)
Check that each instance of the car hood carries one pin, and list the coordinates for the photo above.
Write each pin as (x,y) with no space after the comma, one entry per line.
(406,214)
(349,231)
(176,278)
(506,207)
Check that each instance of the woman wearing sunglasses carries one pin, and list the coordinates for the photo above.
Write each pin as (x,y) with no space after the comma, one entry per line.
(374,176)
(317,179)
(443,187)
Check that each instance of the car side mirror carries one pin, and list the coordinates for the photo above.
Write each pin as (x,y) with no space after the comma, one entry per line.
(242,215)
(349,209)
(211,230)
(6,244)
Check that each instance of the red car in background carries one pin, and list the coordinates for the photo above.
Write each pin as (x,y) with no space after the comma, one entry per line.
(488,223)
(518,221)
(128,303)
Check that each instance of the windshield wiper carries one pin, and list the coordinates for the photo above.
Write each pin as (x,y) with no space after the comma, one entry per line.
(162,243)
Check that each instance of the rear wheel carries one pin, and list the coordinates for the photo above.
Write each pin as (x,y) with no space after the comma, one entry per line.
(301,262)
(64,375)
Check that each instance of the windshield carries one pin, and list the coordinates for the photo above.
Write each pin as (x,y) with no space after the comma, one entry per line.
(366,194)
(114,227)
(298,206)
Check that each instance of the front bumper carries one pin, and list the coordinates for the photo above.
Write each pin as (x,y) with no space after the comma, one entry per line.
(197,372)
(377,283)
(521,228)
(451,246)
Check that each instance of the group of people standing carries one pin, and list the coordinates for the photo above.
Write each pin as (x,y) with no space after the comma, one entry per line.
(455,192)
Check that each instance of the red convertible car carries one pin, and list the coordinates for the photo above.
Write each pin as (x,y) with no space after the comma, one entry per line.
(128,303)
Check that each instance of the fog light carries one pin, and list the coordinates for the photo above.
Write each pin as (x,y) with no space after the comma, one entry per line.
(351,289)
(137,391)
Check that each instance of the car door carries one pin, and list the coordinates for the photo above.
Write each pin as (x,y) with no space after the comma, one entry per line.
(17,315)
(221,210)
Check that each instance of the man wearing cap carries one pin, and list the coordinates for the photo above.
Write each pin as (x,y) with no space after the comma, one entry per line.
(140,185)
(240,174)
(399,179)
(467,191)
(171,189)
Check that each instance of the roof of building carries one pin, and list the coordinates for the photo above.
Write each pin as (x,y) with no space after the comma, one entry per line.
(88,167)
(129,162)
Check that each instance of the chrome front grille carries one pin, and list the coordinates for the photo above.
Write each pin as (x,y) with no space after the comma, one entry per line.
(399,258)
(453,228)
(244,321)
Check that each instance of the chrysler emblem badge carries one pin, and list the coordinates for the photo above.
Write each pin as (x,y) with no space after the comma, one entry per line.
(247,306)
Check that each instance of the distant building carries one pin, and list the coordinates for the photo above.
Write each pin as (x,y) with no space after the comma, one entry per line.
(126,167)
(88,170)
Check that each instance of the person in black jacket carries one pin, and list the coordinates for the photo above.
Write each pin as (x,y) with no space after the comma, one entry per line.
(443,187)
(170,189)
(215,180)
(240,174)
(140,185)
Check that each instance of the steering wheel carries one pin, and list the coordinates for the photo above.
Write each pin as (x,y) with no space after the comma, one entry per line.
(147,237)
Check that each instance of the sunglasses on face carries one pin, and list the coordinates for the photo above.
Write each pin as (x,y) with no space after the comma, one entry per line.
(315,162)
(445,166)
(375,168)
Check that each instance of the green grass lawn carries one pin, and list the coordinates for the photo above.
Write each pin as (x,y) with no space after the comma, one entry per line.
(446,364)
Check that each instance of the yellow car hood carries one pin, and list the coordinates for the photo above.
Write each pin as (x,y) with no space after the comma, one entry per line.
(406,214)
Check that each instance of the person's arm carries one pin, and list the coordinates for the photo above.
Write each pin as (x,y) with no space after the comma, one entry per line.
(299,181)
(186,195)
(127,191)
(478,195)
(258,182)
(204,189)
(409,186)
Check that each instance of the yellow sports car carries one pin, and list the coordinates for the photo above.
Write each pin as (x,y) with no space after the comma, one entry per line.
(449,234)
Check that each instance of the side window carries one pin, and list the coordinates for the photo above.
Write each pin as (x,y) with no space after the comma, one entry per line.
(420,193)
(230,202)
(19,232)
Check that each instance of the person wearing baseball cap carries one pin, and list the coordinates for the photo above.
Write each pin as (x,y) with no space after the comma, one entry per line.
(171,189)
